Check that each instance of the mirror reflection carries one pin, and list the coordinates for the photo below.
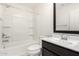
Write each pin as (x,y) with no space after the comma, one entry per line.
(67,16)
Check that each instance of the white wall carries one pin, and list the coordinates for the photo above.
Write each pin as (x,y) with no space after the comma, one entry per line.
(44,20)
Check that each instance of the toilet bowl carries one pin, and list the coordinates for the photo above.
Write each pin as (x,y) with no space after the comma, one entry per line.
(34,50)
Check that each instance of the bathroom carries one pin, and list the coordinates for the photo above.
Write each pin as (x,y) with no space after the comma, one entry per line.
(39,29)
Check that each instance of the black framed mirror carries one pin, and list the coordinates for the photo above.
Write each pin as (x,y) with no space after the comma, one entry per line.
(66,18)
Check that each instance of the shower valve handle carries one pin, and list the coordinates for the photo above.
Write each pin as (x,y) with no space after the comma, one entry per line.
(5,36)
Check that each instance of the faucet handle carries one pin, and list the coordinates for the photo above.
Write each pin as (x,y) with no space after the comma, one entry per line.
(5,35)
(64,37)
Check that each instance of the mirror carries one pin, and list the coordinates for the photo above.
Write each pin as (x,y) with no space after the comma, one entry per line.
(66,18)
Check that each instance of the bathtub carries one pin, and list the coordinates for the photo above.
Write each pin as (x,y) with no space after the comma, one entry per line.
(16,48)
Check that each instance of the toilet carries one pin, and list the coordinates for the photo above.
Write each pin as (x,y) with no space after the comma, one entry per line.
(34,50)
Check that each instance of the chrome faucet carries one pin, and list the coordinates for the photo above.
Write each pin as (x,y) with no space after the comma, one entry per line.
(4,36)
(64,37)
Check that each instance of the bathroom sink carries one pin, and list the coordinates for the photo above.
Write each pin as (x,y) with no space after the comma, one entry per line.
(70,42)
(73,43)
(65,42)
(54,39)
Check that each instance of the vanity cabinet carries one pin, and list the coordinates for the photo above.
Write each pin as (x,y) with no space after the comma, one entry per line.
(51,49)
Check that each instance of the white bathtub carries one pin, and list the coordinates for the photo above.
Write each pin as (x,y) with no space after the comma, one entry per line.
(16,48)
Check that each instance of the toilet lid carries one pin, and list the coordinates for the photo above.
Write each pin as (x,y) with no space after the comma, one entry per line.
(34,47)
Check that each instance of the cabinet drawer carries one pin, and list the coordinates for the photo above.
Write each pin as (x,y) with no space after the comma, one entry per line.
(59,50)
(45,52)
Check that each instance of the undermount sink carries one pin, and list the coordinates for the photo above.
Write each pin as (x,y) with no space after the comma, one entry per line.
(72,42)
(69,42)
(65,42)
(54,39)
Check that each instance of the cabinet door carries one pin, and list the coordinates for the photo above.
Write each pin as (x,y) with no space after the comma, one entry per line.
(45,52)
(59,50)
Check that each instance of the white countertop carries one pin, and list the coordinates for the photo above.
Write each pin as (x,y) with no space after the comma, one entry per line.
(62,43)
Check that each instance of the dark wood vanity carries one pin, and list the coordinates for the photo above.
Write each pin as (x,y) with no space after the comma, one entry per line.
(50,49)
